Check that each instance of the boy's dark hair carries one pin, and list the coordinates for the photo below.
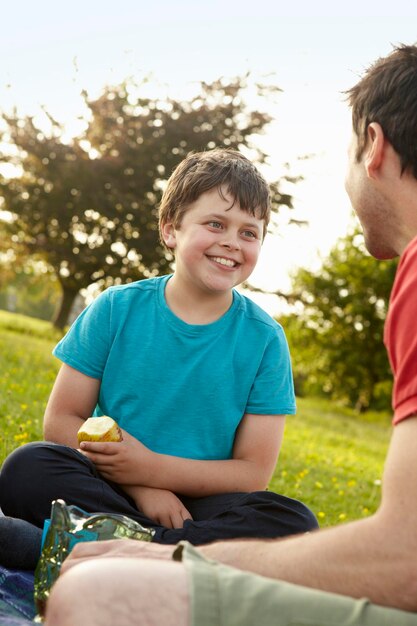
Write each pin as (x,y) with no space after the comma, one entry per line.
(202,171)
(387,94)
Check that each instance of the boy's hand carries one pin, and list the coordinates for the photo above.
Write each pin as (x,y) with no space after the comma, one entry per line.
(160,505)
(122,462)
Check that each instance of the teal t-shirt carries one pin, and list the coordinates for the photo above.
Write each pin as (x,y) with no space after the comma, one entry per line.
(181,389)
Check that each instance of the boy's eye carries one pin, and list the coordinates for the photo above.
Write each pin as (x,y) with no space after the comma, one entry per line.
(215,224)
(249,234)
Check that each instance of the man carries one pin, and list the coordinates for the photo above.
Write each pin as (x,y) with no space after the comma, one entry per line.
(329,570)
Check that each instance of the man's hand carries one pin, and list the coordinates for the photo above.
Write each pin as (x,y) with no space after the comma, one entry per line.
(160,505)
(122,548)
(122,462)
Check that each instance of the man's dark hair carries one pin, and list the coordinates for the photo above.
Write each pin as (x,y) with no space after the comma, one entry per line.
(387,94)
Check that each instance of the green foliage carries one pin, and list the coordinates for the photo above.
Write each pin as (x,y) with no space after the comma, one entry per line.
(29,289)
(336,336)
(331,459)
(88,207)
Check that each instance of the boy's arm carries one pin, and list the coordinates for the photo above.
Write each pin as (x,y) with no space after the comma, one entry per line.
(160,505)
(257,444)
(72,400)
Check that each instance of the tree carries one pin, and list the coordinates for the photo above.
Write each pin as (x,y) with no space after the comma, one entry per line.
(27,285)
(31,291)
(88,207)
(337,336)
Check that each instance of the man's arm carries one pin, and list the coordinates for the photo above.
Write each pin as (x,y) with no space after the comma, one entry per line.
(373,558)
(72,400)
(257,444)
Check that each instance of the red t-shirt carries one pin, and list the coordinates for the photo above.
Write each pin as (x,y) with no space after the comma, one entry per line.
(400,335)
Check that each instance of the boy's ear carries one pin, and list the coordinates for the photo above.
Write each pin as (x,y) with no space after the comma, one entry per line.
(168,235)
(374,154)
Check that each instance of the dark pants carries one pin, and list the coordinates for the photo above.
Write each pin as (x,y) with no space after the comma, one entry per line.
(36,474)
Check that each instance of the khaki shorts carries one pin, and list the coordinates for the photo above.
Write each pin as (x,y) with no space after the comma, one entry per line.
(225,596)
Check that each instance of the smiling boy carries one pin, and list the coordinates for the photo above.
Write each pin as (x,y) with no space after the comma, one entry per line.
(196,374)
(216,247)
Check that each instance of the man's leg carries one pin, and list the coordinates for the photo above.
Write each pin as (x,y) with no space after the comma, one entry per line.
(199,593)
(224,596)
(120,591)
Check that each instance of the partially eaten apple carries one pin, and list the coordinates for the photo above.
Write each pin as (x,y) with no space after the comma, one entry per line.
(99,429)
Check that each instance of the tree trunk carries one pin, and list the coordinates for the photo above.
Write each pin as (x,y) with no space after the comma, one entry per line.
(64,308)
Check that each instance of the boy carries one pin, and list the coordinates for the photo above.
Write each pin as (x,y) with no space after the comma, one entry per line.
(197,376)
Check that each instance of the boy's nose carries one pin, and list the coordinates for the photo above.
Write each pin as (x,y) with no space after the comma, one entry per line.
(231,241)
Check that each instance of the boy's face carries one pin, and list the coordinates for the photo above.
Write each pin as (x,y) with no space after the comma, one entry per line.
(217,244)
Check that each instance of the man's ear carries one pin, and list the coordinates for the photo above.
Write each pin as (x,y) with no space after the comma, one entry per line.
(168,235)
(374,151)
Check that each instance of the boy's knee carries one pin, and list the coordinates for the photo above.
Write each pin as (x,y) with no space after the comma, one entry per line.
(19,462)
(298,516)
(19,477)
(308,520)
(305,520)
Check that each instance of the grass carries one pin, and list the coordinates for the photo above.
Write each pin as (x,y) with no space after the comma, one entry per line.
(27,373)
(331,459)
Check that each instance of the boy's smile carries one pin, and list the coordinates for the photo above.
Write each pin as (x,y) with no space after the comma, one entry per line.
(224,261)
(216,245)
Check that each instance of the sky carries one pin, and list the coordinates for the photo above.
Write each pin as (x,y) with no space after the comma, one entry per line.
(50,51)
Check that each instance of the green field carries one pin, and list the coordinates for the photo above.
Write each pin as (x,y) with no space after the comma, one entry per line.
(331,459)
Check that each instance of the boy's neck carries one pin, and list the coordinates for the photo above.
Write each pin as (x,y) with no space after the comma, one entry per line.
(196,307)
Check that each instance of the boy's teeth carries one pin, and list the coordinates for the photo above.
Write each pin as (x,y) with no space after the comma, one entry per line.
(223,261)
